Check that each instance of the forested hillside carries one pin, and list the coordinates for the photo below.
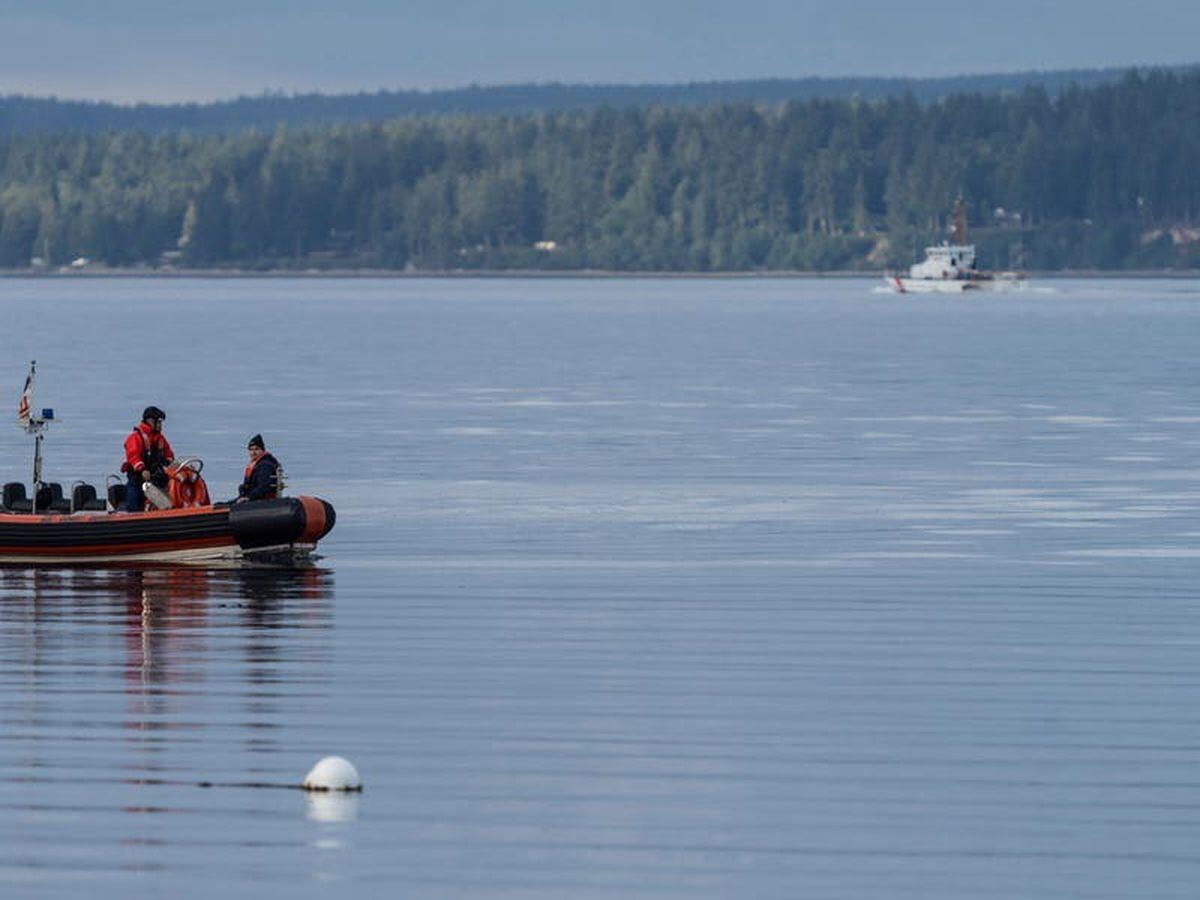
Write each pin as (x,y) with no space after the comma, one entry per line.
(1107,176)
(27,115)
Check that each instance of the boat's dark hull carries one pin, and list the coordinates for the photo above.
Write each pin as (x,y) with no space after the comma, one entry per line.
(290,525)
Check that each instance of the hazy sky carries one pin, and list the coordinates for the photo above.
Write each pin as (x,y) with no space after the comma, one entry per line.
(140,50)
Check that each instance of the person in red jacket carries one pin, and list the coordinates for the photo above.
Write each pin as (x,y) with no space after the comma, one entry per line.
(147,453)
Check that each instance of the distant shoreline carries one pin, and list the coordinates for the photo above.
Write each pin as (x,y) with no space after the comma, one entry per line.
(564,274)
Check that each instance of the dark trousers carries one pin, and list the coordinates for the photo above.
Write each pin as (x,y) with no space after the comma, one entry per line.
(135,498)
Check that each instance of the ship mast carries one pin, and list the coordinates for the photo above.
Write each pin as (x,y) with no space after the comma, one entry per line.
(960,222)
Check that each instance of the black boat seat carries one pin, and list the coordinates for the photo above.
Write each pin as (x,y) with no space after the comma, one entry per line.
(14,499)
(83,498)
(55,502)
(116,496)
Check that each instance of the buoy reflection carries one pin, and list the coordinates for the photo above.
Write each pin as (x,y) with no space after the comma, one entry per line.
(331,807)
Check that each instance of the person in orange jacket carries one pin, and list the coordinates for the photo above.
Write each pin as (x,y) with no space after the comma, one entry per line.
(261,478)
(147,453)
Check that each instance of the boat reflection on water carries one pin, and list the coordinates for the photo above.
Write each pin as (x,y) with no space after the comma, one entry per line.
(273,596)
(188,649)
(169,612)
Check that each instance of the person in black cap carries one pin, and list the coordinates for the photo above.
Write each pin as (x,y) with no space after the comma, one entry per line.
(261,478)
(147,454)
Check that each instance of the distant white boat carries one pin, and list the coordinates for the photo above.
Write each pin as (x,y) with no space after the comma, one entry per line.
(950,268)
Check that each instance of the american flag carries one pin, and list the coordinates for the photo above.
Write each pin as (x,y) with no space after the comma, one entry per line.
(23,408)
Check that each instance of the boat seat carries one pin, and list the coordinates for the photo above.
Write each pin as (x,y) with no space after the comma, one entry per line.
(116,496)
(45,496)
(55,501)
(83,498)
(14,499)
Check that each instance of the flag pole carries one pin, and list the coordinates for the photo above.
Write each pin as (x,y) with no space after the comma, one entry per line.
(37,441)
(33,424)
(37,470)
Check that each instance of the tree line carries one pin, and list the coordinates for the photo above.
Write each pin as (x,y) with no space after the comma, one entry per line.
(1100,177)
(27,115)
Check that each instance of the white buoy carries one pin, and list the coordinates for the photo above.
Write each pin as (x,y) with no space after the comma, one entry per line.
(333,774)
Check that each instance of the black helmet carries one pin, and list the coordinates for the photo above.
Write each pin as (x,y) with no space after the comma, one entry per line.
(152,412)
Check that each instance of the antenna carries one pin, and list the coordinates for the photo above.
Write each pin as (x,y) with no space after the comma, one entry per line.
(33,424)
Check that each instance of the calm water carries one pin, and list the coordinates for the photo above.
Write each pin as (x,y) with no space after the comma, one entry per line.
(639,588)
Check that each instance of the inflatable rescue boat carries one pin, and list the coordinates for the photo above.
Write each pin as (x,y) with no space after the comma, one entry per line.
(284,529)
(178,523)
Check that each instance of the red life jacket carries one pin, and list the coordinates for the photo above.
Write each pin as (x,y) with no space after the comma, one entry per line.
(146,447)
